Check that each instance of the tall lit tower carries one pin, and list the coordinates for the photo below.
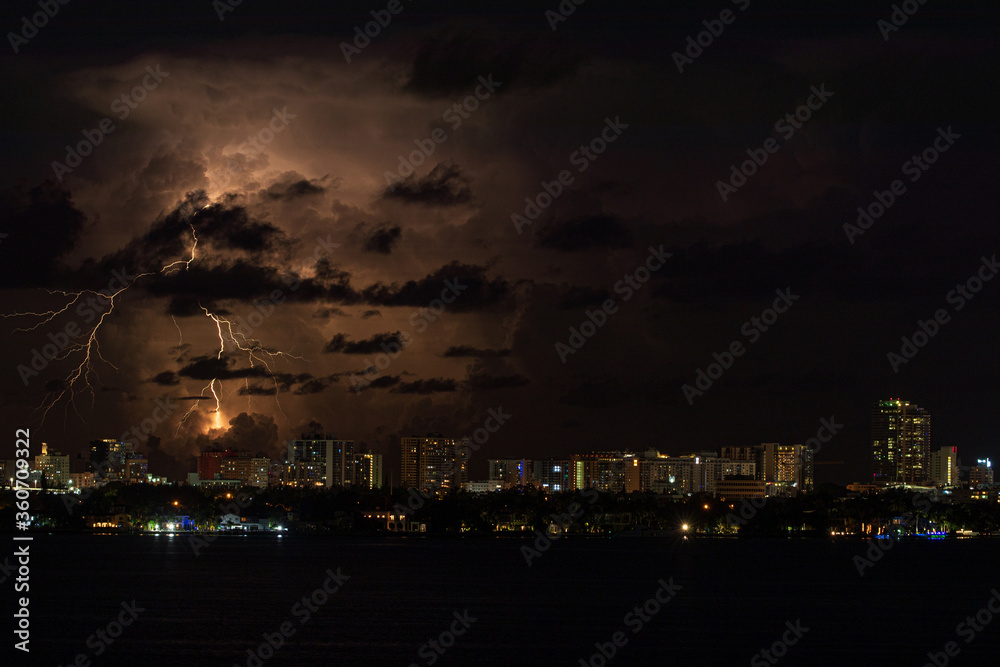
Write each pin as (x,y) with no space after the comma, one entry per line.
(901,443)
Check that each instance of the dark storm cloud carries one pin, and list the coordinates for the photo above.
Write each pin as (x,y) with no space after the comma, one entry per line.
(340,343)
(368,314)
(315,386)
(594,231)
(451,65)
(166,378)
(240,280)
(296,190)
(287,380)
(42,224)
(469,351)
(445,185)
(219,227)
(254,432)
(429,386)
(233,228)
(190,306)
(381,382)
(326,313)
(210,367)
(257,390)
(488,382)
(475,290)
(383,239)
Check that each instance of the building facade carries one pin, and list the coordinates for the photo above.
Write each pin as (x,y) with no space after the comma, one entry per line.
(335,457)
(434,462)
(901,443)
(552,474)
(512,472)
(54,467)
(944,466)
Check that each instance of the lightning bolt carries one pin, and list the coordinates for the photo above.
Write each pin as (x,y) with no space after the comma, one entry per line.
(180,333)
(256,353)
(89,348)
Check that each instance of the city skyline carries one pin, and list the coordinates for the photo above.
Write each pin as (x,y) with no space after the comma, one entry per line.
(901,450)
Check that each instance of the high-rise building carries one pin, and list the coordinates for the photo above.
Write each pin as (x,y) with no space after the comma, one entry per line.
(54,467)
(808,468)
(901,443)
(513,472)
(116,460)
(944,466)
(675,475)
(604,471)
(210,464)
(783,465)
(552,474)
(108,453)
(368,470)
(336,457)
(409,462)
(711,469)
(235,464)
(434,461)
(260,466)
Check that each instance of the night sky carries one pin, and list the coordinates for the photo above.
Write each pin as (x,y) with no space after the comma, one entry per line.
(254,135)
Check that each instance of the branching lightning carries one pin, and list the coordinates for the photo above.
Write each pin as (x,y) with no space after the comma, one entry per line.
(79,378)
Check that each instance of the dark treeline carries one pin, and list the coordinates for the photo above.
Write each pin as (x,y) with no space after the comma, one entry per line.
(819,512)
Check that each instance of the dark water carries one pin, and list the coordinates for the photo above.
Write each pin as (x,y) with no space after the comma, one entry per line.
(736,597)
